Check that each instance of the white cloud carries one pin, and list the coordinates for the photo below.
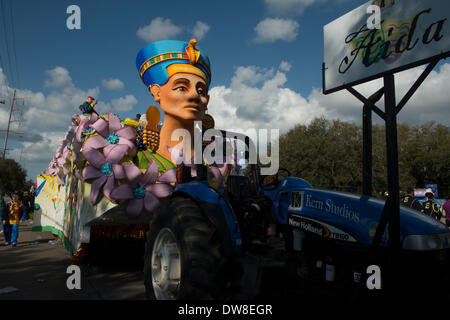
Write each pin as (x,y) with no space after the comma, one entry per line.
(58,78)
(159,29)
(274,29)
(427,104)
(113,84)
(285,66)
(124,103)
(258,98)
(44,150)
(164,29)
(46,117)
(3,81)
(200,29)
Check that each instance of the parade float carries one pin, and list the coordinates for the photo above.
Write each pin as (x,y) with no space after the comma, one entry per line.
(105,180)
(106,177)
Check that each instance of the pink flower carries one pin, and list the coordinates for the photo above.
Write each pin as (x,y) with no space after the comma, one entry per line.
(144,190)
(63,160)
(85,122)
(111,136)
(78,175)
(60,179)
(52,169)
(104,170)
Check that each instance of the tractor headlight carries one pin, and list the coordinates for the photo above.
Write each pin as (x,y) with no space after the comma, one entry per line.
(427,242)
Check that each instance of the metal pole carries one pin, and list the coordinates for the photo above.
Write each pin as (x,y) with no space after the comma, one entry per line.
(367,151)
(9,122)
(392,160)
(367,141)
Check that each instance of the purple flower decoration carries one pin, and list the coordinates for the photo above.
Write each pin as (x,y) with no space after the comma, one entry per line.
(52,169)
(63,159)
(104,170)
(144,190)
(85,122)
(111,137)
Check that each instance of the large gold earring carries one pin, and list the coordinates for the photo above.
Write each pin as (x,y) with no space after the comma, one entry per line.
(150,136)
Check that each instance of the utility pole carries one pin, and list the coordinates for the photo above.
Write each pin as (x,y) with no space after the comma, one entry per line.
(9,122)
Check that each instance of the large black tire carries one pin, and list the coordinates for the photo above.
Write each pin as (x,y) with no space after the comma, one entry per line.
(198,262)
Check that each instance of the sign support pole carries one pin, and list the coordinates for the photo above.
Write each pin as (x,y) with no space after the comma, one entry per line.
(392,160)
(367,141)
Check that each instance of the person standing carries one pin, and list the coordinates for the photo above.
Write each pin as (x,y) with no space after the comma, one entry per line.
(26,202)
(2,205)
(411,201)
(430,207)
(31,213)
(446,211)
(13,214)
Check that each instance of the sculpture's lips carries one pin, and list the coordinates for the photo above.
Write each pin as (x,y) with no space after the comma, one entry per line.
(192,106)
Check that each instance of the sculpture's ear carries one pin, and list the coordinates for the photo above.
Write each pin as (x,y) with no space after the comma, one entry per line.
(155,90)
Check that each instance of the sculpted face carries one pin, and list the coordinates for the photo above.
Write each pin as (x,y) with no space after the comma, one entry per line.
(184,96)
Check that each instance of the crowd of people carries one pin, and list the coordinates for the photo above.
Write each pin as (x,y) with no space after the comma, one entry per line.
(15,208)
(429,206)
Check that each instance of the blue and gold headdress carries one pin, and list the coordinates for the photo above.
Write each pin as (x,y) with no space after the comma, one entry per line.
(158,61)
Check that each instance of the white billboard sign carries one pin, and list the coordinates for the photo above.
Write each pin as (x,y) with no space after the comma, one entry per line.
(384,36)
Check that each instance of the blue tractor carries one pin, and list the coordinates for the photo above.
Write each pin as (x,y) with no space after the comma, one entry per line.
(284,238)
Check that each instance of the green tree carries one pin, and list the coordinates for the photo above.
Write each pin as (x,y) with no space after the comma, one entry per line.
(13,177)
(428,154)
(328,154)
(325,153)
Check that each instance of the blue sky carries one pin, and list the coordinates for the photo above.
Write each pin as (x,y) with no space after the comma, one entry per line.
(266,58)
(107,44)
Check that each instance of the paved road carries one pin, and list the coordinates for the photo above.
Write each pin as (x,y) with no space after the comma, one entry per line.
(36,269)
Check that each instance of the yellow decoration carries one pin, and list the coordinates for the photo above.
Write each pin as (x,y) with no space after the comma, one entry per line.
(185,68)
(192,52)
(130,122)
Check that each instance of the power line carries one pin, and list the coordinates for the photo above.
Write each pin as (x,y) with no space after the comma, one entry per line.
(9,122)
(14,42)
(7,43)
(3,69)
(8,131)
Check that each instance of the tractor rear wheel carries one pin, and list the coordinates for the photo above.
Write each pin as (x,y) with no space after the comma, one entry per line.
(184,256)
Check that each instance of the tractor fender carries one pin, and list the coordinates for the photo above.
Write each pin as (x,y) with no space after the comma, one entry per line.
(215,207)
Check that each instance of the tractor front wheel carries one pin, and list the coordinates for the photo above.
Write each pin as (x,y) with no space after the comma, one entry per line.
(184,256)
